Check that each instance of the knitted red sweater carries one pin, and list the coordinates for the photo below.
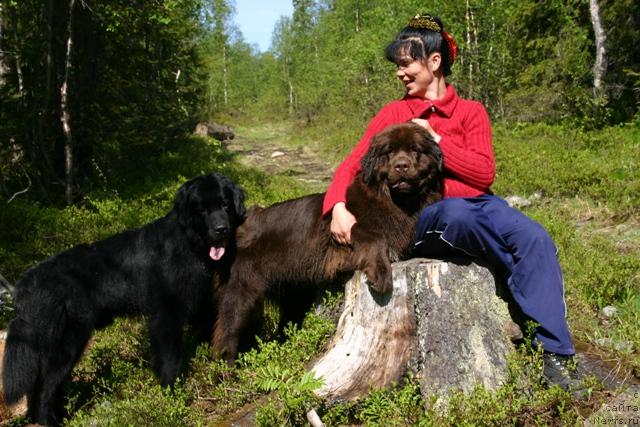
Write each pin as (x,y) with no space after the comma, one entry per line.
(469,164)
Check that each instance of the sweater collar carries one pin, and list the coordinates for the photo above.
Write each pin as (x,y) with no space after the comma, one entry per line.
(445,105)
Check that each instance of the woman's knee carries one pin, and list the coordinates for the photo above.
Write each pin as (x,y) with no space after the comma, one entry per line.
(457,213)
(453,219)
(536,237)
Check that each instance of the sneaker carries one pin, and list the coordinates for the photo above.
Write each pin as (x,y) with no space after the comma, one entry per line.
(561,370)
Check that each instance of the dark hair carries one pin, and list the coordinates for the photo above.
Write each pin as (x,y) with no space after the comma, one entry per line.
(419,39)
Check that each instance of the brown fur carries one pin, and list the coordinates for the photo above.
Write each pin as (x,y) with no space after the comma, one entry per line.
(286,249)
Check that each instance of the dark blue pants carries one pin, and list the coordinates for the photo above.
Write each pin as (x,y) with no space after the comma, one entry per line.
(516,246)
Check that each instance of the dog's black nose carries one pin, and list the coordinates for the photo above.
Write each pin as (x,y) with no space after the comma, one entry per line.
(401,165)
(222,230)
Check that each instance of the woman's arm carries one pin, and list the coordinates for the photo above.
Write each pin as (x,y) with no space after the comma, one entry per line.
(471,160)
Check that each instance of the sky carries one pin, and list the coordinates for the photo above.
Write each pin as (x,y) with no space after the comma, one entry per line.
(256,19)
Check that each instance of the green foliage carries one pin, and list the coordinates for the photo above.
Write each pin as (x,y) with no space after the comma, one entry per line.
(525,60)
(294,396)
(134,86)
(569,162)
(153,406)
(271,367)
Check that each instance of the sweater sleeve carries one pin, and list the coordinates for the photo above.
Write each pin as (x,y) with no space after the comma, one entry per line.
(347,170)
(471,159)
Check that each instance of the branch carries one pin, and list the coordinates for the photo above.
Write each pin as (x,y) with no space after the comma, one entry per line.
(314,419)
(21,191)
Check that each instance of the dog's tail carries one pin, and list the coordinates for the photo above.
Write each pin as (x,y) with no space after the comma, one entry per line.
(20,364)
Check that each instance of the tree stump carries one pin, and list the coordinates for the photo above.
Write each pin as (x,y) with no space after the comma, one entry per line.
(443,320)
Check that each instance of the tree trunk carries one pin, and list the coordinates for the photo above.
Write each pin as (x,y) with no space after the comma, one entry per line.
(224,76)
(600,66)
(18,65)
(65,116)
(290,96)
(443,320)
(470,58)
(3,64)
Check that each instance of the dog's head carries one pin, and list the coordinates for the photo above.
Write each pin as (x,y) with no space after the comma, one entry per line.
(210,208)
(403,161)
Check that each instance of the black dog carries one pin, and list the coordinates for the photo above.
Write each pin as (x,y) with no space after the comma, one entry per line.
(163,270)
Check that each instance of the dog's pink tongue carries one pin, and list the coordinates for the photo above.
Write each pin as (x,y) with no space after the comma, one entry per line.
(216,253)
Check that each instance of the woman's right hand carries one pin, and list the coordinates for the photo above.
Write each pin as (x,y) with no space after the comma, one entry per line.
(341,222)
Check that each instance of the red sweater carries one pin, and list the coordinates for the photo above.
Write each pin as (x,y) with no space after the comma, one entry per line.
(469,164)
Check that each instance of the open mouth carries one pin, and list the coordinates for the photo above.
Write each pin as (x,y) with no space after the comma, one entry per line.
(401,186)
(217,248)
(216,252)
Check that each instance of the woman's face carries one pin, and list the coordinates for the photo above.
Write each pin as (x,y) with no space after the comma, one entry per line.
(416,75)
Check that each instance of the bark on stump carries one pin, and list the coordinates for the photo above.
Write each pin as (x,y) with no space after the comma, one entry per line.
(443,320)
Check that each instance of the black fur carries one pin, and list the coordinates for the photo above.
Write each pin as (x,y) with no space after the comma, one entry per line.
(162,270)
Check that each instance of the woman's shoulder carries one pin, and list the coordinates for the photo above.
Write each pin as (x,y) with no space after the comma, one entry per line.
(401,104)
(395,110)
(471,108)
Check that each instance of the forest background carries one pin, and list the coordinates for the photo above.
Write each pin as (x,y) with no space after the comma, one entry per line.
(98,100)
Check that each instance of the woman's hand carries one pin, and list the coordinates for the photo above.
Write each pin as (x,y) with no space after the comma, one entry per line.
(341,222)
(425,124)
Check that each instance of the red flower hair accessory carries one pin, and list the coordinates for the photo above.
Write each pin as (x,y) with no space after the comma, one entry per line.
(453,46)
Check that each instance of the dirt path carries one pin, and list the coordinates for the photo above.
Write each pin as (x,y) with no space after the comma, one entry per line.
(269,149)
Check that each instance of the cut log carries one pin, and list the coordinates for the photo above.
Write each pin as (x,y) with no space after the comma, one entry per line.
(443,320)
(214,130)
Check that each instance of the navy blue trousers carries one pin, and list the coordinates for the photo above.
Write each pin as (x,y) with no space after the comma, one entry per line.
(518,248)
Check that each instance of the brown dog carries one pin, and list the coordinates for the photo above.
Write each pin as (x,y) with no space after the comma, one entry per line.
(286,251)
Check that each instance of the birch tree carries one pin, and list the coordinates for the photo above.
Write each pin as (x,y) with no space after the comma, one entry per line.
(600,65)
(3,65)
(65,116)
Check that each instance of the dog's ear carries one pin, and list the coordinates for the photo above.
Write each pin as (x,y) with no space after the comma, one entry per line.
(182,203)
(238,203)
(437,154)
(430,147)
(370,160)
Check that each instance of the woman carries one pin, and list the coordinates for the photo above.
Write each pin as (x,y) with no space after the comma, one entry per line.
(470,219)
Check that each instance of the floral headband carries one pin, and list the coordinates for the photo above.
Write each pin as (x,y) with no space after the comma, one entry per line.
(427,22)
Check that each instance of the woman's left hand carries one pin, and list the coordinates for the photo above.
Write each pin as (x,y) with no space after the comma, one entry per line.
(425,124)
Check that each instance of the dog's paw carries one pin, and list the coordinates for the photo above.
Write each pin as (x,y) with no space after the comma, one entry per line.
(380,278)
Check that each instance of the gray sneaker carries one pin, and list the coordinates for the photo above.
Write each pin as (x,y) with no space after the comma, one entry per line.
(562,370)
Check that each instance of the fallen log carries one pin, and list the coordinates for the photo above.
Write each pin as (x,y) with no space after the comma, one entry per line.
(443,321)
(214,130)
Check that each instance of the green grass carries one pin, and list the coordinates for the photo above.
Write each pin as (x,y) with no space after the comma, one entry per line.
(587,187)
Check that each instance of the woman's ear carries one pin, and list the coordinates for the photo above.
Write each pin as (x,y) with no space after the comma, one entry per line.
(434,61)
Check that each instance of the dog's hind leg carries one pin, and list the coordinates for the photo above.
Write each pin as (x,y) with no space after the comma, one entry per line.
(62,352)
(165,330)
(295,301)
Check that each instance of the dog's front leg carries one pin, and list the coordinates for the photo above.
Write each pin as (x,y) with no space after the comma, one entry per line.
(165,331)
(237,305)
(372,257)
